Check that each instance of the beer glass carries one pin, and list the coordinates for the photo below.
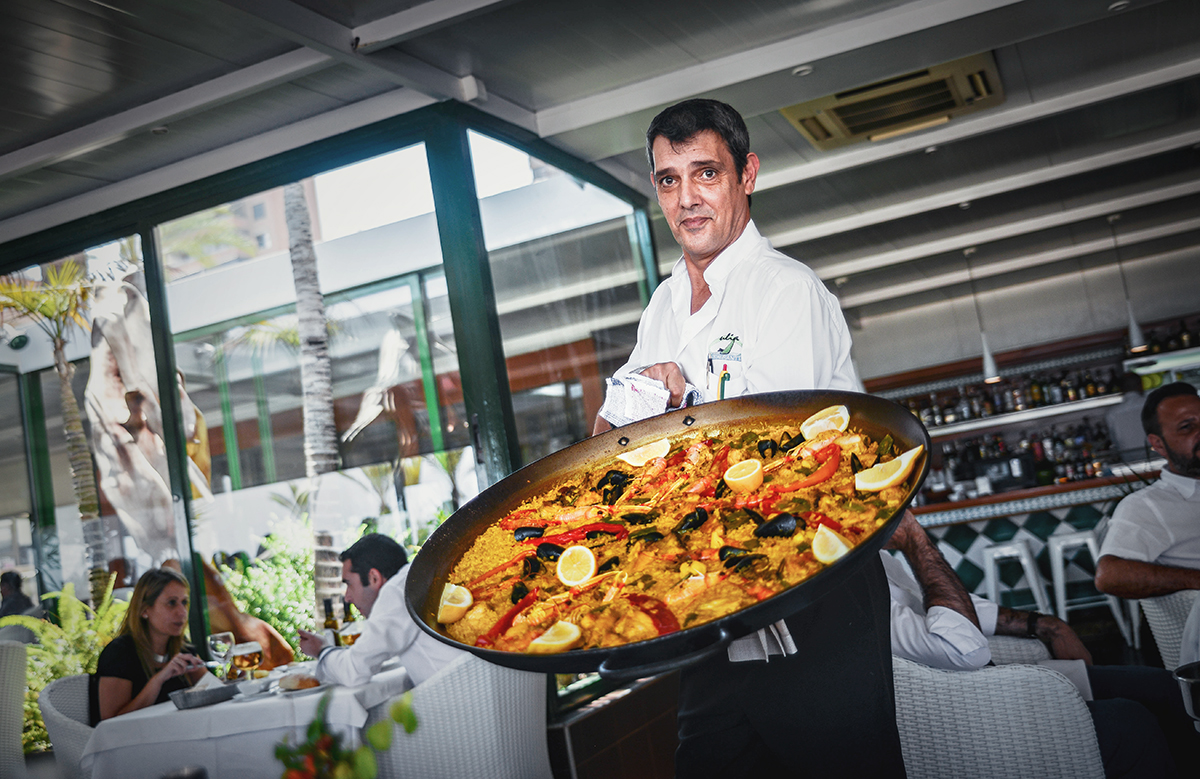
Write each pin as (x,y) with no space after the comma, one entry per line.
(350,633)
(246,657)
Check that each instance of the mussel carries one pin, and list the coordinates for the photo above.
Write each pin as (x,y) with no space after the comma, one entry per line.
(755,517)
(522,533)
(613,485)
(609,564)
(647,534)
(779,526)
(639,517)
(738,558)
(531,566)
(592,535)
(549,551)
(726,552)
(519,591)
(788,443)
(855,463)
(691,520)
(767,448)
(722,489)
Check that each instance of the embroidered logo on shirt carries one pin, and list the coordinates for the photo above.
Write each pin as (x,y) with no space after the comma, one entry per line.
(725,375)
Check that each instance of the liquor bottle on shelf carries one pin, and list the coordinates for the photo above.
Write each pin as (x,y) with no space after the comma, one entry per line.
(1035,393)
(1057,394)
(964,406)
(935,409)
(1186,338)
(1089,385)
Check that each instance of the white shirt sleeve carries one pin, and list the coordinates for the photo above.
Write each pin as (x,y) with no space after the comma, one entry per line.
(1189,649)
(1136,531)
(941,638)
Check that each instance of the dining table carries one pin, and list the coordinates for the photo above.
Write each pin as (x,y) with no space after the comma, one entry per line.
(235,738)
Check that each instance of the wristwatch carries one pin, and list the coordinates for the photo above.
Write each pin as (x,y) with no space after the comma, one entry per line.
(1031,624)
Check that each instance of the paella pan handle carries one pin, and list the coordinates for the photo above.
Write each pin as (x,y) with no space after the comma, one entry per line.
(724,637)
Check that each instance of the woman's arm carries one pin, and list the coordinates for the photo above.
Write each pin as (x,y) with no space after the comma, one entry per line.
(116,694)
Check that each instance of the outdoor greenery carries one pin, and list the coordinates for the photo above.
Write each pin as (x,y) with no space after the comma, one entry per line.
(276,587)
(322,756)
(66,646)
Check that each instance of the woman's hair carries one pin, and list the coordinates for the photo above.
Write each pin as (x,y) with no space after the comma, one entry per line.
(148,588)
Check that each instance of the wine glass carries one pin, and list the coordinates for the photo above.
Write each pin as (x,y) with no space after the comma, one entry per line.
(219,647)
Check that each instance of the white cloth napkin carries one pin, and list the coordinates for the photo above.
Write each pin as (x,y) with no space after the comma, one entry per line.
(774,639)
(631,397)
(206,681)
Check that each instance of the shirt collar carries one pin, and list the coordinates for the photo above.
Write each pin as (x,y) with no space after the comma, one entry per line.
(722,266)
(1184,485)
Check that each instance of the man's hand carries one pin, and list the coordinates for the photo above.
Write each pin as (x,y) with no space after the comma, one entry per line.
(311,644)
(1057,635)
(671,376)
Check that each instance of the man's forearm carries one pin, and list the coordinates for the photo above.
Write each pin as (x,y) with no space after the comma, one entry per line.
(1136,579)
(939,583)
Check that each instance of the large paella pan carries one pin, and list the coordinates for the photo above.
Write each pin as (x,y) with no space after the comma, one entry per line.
(658,543)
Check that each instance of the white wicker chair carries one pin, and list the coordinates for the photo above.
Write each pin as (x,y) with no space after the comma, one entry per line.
(1002,722)
(1013,649)
(1166,617)
(475,721)
(64,705)
(12,695)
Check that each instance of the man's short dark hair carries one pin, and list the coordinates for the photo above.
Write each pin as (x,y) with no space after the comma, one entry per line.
(11,579)
(684,120)
(375,550)
(1150,421)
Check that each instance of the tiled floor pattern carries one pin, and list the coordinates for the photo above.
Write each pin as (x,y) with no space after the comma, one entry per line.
(963,547)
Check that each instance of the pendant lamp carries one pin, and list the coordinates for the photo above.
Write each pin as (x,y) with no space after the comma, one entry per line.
(1137,342)
(991,374)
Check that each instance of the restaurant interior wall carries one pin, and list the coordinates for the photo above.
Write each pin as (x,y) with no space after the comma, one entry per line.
(369,276)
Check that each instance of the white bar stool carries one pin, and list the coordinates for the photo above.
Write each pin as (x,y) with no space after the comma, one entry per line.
(1058,546)
(1020,550)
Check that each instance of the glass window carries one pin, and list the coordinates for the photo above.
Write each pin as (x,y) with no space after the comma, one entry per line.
(16,539)
(569,290)
(397,396)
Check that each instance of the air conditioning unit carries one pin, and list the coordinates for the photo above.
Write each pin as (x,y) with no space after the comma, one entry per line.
(904,104)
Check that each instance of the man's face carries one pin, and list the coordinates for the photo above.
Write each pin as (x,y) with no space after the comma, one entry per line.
(359,593)
(5,590)
(1179,417)
(704,201)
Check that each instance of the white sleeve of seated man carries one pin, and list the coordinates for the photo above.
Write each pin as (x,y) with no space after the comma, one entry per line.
(941,638)
(389,631)
(1136,531)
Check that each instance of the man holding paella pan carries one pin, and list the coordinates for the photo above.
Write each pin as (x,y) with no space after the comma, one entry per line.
(737,317)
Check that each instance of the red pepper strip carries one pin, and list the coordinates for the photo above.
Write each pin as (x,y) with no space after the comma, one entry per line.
(499,568)
(620,531)
(816,518)
(830,458)
(504,623)
(660,614)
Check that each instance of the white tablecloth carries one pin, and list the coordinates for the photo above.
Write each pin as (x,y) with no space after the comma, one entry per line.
(233,740)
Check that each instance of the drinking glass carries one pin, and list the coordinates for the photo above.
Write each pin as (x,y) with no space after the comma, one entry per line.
(350,633)
(220,645)
(246,657)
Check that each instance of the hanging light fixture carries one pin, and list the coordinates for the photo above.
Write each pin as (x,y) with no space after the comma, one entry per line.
(1137,341)
(991,374)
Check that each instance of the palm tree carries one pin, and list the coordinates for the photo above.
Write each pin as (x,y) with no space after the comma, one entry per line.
(316,374)
(57,305)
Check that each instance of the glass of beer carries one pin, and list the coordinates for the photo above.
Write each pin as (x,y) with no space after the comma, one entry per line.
(246,657)
(350,633)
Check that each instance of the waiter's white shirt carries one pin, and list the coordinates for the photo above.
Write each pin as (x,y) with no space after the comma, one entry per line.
(769,325)
(1160,524)
(789,327)
(941,637)
(389,632)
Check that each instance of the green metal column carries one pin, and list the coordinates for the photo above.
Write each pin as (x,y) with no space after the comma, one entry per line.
(233,463)
(472,301)
(643,242)
(174,440)
(425,352)
(41,478)
(266,438)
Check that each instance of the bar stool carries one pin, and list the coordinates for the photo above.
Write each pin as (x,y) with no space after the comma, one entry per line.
(1059,546)
(1020,550)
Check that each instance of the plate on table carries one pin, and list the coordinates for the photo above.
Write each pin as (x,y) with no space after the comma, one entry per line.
(304,691)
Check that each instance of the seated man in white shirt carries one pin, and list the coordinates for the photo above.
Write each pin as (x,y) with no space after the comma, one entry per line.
(374,570)
(1152,546)
(935,621)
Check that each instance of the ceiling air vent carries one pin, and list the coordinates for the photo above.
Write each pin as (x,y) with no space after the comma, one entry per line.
(904,104)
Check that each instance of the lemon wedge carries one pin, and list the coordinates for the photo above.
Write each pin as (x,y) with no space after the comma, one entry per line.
(559,638)
(456,599)
(835,418)
(828,546)
(888,474)
(576,565)
(644,454)
(745,476)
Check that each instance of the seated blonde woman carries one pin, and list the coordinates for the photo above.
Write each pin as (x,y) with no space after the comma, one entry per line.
(147,660)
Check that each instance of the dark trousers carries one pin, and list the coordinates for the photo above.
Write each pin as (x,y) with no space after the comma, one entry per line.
(827,711)
(1141,723)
